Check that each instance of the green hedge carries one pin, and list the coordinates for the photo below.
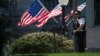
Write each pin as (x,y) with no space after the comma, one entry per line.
(40,42)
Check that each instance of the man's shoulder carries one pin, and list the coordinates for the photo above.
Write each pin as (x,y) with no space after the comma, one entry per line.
(81,18)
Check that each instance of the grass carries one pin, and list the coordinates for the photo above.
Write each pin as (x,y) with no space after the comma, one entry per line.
(75,54)
(61,54)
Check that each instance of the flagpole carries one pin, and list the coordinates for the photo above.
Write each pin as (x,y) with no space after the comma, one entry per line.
(69,22)
(74,6)
(48,11)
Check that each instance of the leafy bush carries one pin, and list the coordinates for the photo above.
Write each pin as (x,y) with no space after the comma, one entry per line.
(40,42)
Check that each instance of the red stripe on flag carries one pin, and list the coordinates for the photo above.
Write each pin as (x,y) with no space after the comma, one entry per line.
(55,12)
(26,22)
(25,13)
(42,23)
(39,13)
(23,22)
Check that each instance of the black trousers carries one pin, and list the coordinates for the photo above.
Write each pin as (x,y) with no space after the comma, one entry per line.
(80,41)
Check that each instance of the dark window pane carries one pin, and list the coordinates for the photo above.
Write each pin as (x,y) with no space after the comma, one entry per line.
(97,12)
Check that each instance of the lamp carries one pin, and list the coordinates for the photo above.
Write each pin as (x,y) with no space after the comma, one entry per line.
(63,3)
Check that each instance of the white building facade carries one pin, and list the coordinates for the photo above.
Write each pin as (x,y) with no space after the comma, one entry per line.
(93,25)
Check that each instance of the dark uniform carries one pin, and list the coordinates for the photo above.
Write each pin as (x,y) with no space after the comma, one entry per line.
(79,37)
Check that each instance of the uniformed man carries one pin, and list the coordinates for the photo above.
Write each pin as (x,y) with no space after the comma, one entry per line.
(79,32)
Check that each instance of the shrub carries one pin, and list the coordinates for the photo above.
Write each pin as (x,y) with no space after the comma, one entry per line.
(40,42)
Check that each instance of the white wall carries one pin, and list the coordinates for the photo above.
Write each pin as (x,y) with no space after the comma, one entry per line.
(93,32)
(93,37)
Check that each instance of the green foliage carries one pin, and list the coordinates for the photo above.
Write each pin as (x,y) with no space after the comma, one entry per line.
(40,42)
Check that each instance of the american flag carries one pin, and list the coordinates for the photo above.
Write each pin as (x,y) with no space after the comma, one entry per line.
(79,8)
(33,14)
(55,12)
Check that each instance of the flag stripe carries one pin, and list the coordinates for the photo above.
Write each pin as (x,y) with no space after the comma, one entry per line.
(28,19)
(27,16)
(55,12)
(24,15)
(40,12)
(42,23)
(43,17)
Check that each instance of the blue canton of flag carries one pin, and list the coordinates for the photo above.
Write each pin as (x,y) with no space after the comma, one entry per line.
(34,13)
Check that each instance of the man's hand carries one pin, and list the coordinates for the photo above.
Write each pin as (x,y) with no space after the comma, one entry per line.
(79,28)
(75,31)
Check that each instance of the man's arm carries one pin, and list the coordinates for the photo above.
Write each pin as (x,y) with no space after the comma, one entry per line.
(82,24)
(80,27)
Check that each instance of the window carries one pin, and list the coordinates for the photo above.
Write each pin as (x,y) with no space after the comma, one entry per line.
(97,12)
